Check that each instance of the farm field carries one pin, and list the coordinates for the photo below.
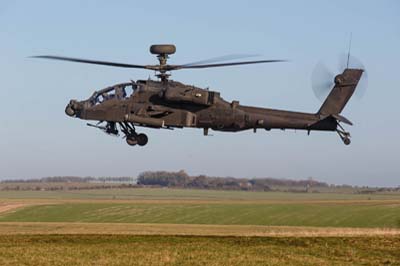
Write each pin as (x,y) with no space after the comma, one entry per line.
(173,206)
(188,194)
(331,214)
(198,227)
(196,250)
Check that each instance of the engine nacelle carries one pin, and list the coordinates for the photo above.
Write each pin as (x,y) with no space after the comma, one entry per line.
(189,94)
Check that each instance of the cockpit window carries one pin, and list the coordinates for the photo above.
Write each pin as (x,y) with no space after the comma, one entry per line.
(119,91)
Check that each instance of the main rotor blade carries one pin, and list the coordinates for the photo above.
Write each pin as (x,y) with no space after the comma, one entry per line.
(151,67)
(225,64)
(221,58)
(94,62)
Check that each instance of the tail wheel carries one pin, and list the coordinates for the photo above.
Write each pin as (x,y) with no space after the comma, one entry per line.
(345,136)
(142,139)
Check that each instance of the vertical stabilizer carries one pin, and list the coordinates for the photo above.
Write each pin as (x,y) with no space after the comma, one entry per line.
(345,85)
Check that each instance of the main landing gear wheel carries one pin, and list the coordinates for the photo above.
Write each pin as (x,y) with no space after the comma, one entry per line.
(142,139)
(131,140)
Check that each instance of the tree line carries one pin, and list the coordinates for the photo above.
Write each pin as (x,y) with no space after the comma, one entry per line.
(72,179)
(182,180)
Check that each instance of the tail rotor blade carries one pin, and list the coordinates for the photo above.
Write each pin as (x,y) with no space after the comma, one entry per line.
(355,63)
(322,81)
(362,85)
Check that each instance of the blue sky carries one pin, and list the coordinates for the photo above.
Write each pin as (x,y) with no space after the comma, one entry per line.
(38,139)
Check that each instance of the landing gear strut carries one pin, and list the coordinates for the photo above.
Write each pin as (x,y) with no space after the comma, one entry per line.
(132,138)
(345,136)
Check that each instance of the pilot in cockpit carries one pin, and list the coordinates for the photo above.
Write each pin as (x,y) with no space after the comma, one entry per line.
(105,97)
(120,92)
(116,92)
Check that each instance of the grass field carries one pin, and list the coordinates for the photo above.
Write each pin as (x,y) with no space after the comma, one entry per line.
(197,227)
(190,194)
(376,214)
(173,206)
(174,250)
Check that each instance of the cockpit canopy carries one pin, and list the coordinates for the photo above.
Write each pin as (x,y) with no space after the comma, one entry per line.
(118,91)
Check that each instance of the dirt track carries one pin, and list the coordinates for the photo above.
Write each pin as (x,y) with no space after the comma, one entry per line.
(8,228)
(4,207)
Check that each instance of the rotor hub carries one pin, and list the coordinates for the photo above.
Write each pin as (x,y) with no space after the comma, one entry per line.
(162,51)
(339,79)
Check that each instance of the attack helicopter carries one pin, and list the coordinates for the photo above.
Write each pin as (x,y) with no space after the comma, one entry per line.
(168,104)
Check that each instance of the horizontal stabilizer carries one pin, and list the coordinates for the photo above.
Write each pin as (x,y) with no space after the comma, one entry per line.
(343,119)
(326,118)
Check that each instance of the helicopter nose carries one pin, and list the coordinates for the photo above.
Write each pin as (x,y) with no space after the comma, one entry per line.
(72,108)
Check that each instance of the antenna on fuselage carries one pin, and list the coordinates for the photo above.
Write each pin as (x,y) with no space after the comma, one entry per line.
(348,53)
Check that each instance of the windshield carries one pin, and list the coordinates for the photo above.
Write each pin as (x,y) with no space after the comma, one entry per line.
(118,91)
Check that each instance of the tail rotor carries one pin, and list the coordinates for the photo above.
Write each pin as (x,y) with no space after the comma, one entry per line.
(323,78)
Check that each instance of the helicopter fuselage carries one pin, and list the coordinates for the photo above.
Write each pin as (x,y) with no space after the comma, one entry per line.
(170,104)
